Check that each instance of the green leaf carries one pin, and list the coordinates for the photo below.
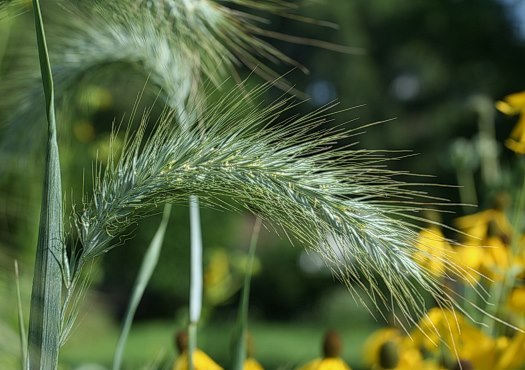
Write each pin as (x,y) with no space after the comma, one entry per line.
(45,314)
(241,327)
(149,262)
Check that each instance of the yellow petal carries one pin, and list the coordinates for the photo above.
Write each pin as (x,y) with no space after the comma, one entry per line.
(312,365)
(201,361)
(514,354)
(375,341)
(516,100)
(517,299)
(252,364)
(506,108)
(516,146)
(433,251)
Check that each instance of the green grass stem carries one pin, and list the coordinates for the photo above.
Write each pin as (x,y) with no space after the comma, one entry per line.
(196,277)
(241,329)
(149,262)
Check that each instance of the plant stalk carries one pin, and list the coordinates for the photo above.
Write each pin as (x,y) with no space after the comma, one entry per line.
(46,296)
(149,262)
(195,278)
(241,330)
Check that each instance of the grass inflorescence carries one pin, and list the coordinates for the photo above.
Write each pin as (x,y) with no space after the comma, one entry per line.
(340,202)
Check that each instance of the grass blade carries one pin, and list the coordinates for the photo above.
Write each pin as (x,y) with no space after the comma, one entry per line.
(149,263)
(45,314)
(241,329)
(21,326)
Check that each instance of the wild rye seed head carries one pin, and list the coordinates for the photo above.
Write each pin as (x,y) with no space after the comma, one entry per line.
(339,202)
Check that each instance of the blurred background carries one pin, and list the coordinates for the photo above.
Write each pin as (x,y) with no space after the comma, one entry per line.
(431,68)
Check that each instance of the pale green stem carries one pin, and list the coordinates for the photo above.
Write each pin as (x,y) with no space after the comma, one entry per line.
(21,326)
(46,297)
(149,262)
(195,278)
(239,340)
(490,169)
(467,188)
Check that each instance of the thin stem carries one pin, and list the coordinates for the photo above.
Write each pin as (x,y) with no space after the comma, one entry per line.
(467,188)
(239,349)
(490,168)
(196,277)
(149,262)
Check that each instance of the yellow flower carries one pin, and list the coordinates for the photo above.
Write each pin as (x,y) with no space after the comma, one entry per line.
(511,105)
(496,258)
(252,364)
(332,348)
(218,281)
(447,329)
(334,363)
(387,348)
(201,361)
(433,250)
(516,300)
(511,353)
(486,250)
(469,258)
(479,226)
(375,342)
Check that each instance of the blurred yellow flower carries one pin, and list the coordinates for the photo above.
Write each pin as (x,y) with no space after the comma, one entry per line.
(219,284)
(511,105)
(516,301)
(469,258)
(224,274)
(388,349)
(433,251)
(496,258)
(252,364)
(201,361)
(335,363)
(479,226)
(486,249)
(511,353)
(332,348)
(442,328)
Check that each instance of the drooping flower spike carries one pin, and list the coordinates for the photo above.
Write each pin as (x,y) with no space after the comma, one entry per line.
(340,202)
